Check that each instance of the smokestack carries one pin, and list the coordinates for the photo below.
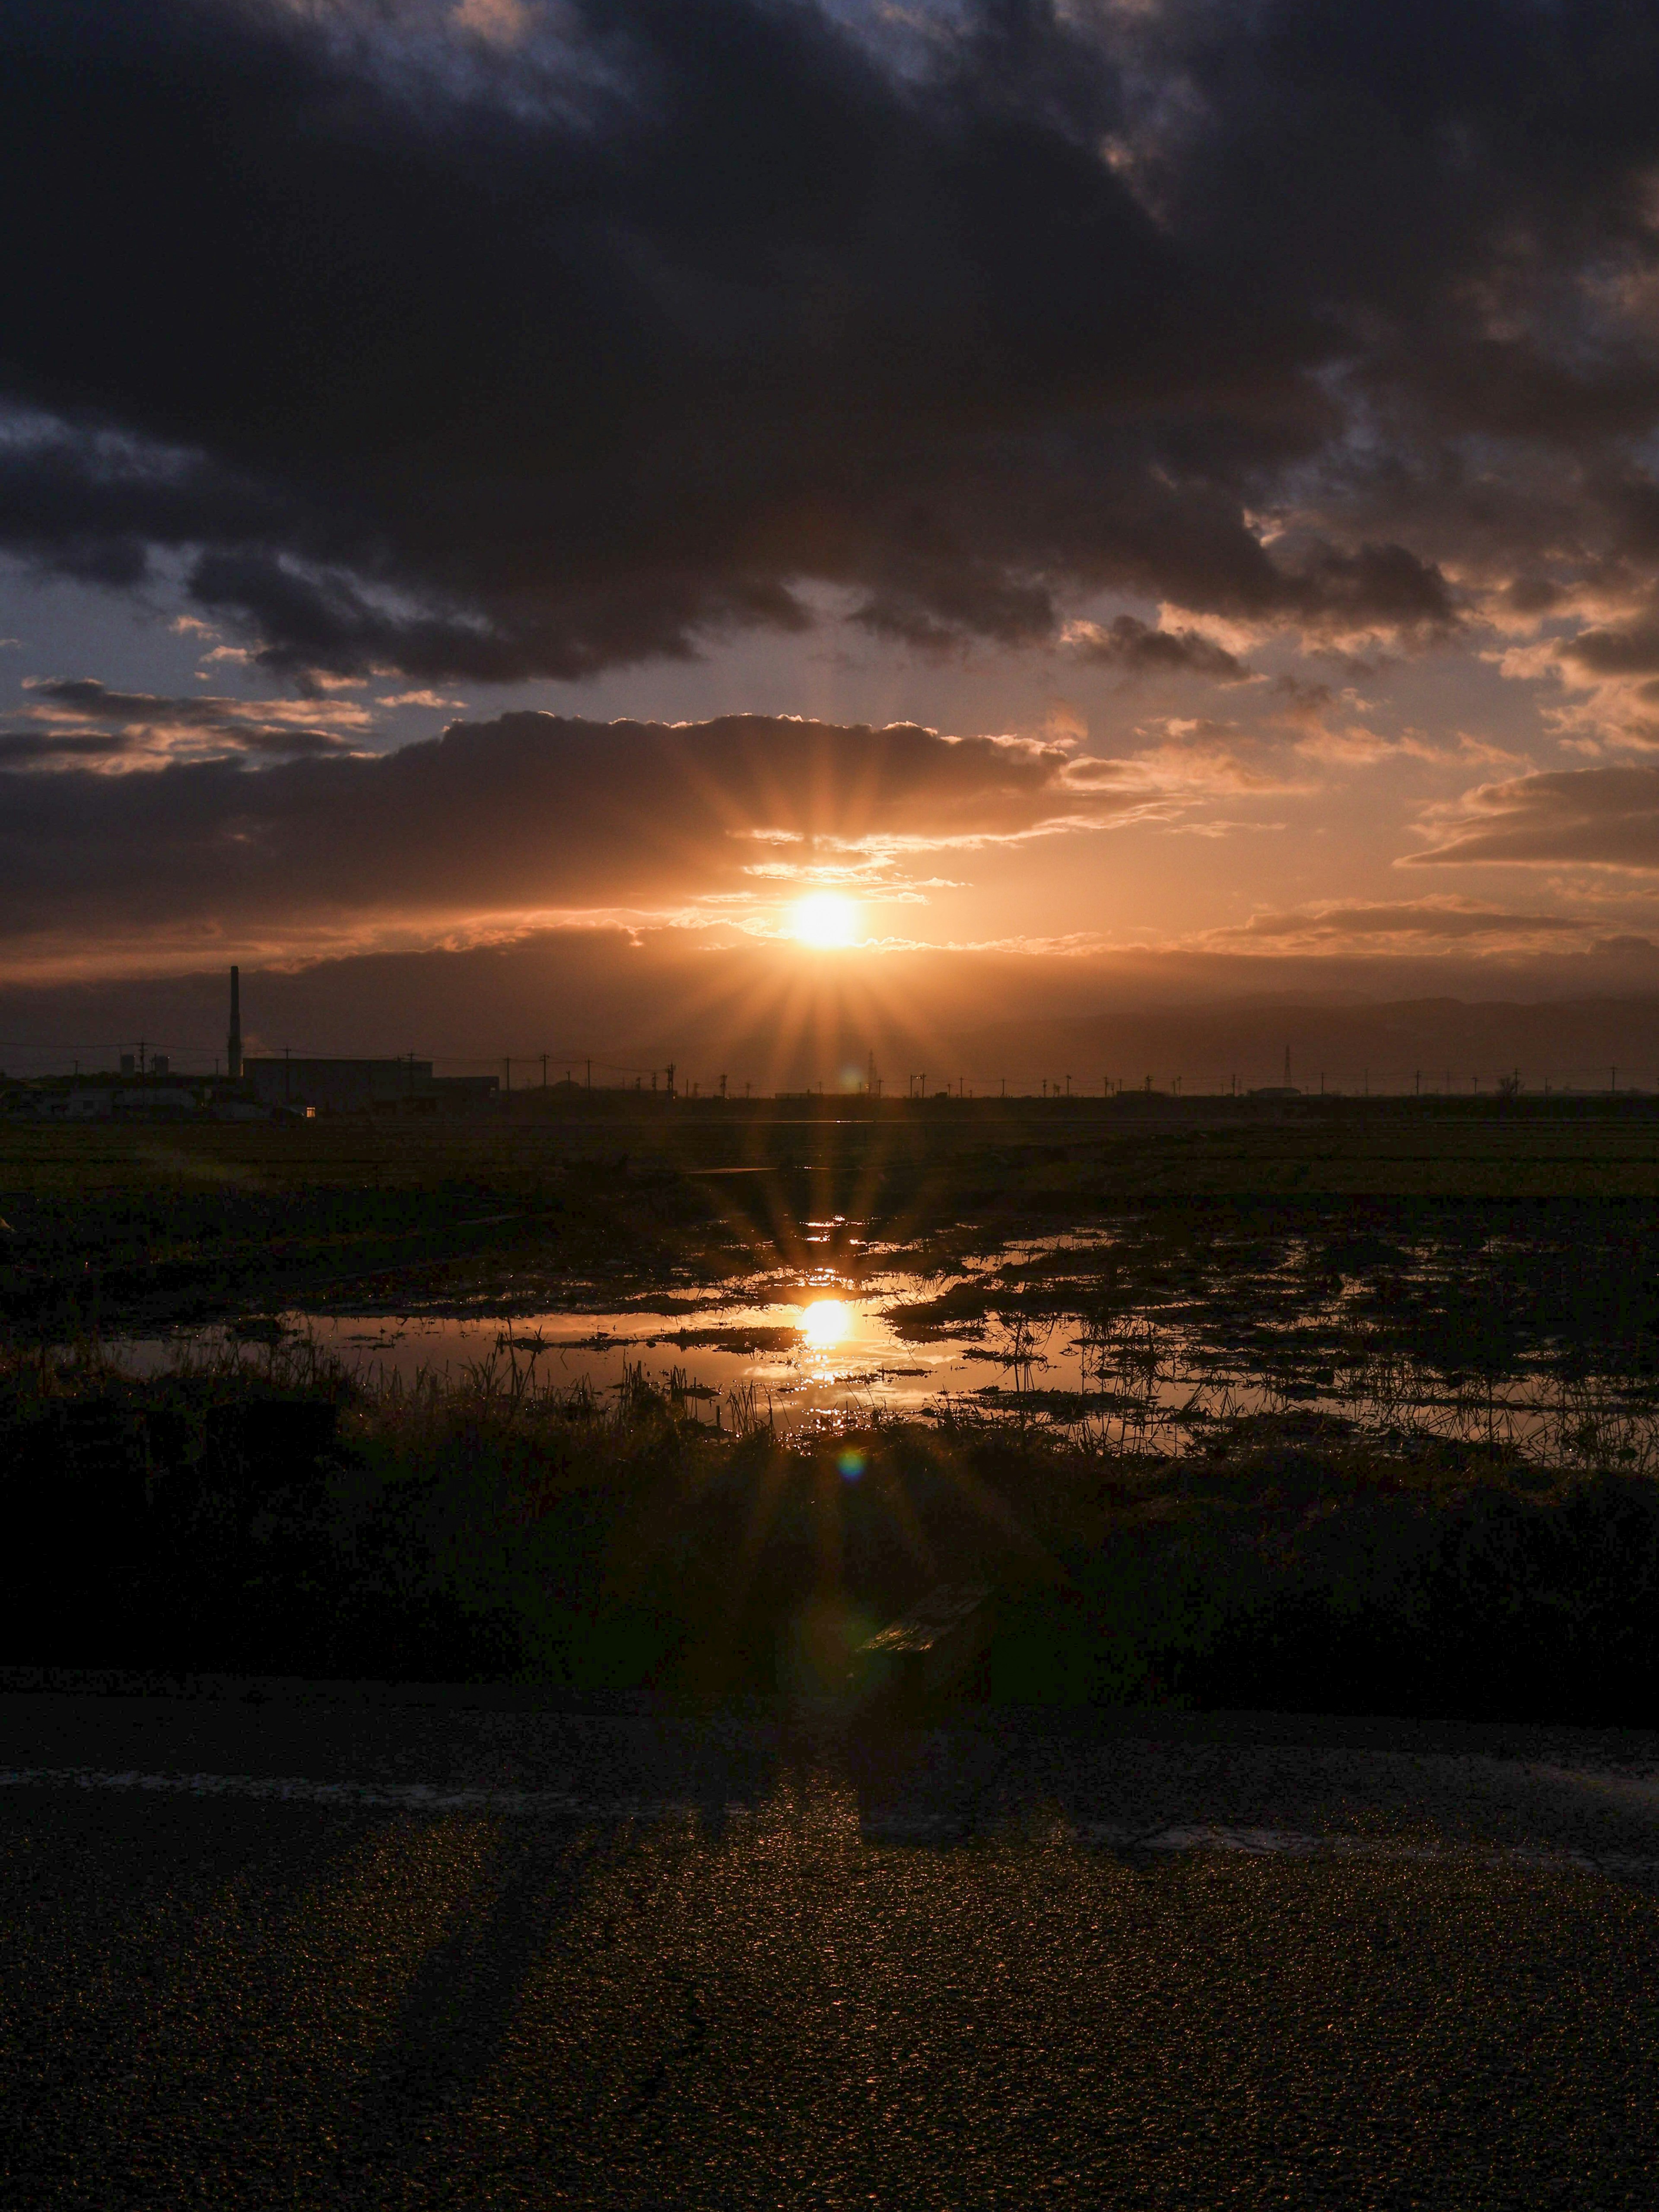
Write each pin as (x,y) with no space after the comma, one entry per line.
(234,1057)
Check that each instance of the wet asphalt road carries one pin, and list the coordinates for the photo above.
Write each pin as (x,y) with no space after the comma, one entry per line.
(351,1952)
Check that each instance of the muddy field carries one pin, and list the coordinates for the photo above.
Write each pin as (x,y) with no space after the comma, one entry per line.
(1146,1272)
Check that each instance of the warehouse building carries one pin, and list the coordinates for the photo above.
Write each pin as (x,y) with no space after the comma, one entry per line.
(364,1086)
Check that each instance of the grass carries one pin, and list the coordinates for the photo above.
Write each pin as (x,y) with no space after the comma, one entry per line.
(269,1516)
(131,1230)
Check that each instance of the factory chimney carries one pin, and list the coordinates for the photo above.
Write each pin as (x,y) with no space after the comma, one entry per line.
(234,1057)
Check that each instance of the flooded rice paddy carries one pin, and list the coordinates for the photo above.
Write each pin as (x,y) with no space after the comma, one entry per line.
(1534,1334)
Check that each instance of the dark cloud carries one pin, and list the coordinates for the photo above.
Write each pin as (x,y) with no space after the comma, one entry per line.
(1300,701)
(1598,817)
(272,727)
(1140,650)
(530,812)
(505,359)
(20,747)
(1632,651)
(1340,920)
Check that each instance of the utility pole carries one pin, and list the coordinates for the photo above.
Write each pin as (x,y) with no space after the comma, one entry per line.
(543,1071)
(671,1079)
(590,1075)
(507,1064)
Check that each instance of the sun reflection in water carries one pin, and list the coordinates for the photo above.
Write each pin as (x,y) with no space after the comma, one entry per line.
(825,1323)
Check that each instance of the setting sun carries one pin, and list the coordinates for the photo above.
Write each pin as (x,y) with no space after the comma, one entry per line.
(825,920)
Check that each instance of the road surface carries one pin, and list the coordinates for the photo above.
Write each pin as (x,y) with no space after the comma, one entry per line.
(332,1950)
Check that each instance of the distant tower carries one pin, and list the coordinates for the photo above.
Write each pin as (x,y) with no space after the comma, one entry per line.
(234,1047)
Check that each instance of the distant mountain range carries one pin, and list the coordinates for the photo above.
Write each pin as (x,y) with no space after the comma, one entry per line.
(1398,1045)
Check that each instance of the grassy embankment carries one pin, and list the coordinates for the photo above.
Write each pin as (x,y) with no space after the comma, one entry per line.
(286,1523)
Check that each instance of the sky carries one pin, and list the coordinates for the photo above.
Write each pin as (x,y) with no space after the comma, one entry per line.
(500,503)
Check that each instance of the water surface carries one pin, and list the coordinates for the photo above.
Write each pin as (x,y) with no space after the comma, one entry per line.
(1538,1343)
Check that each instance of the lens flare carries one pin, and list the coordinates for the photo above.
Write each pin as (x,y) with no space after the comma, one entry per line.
(852,1465)
(825,921)
(825,1323)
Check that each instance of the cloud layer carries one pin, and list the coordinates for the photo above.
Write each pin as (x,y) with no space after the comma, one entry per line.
(1604,817)
(529,814)
(515,339)
(1351,925)
(77,718)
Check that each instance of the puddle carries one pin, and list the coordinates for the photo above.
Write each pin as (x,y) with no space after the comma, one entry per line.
(828,1349)
(1033,1330)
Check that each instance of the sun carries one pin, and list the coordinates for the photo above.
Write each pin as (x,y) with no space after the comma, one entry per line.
(825,920)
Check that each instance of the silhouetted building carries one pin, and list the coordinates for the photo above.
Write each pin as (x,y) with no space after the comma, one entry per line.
(364,1086)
